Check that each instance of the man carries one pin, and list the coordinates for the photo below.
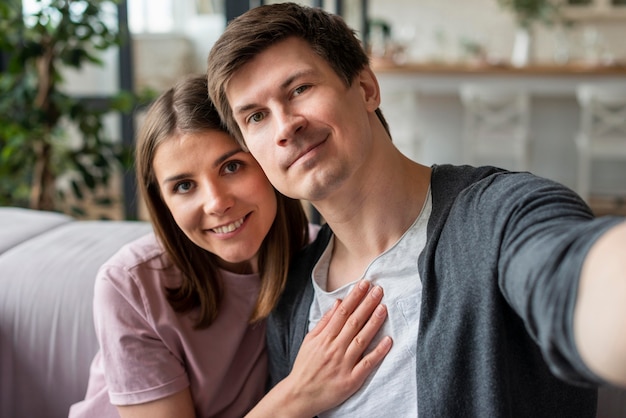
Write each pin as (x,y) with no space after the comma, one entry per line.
(505,296)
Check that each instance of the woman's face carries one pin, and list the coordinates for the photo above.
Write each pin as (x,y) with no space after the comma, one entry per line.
(218,195)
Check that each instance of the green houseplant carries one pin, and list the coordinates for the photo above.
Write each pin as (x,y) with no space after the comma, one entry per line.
(41,164)
(527,13)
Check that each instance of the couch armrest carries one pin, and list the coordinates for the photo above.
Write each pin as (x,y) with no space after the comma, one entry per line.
(47,339)
(18,225)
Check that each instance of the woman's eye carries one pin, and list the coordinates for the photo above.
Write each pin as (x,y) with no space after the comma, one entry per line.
(232,167)
(183,187)
(299,90)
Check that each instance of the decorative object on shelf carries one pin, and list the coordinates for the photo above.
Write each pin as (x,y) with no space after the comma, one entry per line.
(527,13)
(522,45)
(473,51)
(37,118)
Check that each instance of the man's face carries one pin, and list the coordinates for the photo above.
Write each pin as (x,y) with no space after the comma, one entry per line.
(308,130)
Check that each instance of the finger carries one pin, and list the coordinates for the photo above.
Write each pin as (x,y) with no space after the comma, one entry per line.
(366,335)
(360,316)
(346,308)
(370,361)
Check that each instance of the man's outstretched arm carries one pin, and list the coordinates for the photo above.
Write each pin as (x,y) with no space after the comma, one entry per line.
(600,315)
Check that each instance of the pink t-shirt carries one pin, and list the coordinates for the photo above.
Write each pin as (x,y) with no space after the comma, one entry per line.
(148,351)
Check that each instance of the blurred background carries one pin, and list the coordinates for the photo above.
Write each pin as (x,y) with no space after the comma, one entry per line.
(534,54)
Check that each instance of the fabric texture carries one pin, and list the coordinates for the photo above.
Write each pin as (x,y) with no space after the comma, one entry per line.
(499,273)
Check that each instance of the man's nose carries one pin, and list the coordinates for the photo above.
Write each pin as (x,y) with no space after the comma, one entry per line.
(288,125)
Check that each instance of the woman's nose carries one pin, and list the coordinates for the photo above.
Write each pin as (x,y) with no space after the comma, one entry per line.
(217,199)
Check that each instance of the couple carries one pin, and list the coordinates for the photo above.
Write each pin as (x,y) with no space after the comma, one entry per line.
(504,295)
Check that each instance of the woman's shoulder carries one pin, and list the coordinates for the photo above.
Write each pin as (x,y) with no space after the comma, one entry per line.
(145,249)
(143,259)
(137,273)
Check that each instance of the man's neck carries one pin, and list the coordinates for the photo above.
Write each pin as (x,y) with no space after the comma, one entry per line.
(366,221)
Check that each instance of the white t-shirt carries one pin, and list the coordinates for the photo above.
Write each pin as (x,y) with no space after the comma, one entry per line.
(391,391)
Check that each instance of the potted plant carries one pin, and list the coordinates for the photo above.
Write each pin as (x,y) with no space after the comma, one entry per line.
(527,13)
(41,164)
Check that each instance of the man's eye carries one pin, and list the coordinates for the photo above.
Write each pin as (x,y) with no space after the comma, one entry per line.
(232,167)
(256,117)
(183,187)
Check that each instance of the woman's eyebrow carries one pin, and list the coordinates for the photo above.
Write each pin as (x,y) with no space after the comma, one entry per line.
(226,156)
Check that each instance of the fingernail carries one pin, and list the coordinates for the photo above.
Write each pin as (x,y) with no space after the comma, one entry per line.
(376,292)
(380,311)
(386,341)
(364,285)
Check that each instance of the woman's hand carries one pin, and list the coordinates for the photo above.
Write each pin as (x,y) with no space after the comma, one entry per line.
(332,364)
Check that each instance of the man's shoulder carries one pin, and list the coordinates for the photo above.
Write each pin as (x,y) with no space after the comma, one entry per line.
(449,181)
(461,176)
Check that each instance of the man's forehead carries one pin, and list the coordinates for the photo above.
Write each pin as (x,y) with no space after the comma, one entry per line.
(275,68)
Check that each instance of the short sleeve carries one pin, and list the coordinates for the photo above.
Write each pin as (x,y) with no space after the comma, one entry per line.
(139,364)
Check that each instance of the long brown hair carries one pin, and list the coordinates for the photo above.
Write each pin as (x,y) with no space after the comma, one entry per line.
(186,108)
(248,35)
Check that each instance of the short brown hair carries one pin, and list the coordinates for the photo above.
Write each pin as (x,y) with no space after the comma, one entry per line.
(251,33)
(186,108)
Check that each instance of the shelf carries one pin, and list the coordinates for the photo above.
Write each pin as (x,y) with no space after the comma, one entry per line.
(539,69)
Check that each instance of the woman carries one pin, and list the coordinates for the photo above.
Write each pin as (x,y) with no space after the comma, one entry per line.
(179,313)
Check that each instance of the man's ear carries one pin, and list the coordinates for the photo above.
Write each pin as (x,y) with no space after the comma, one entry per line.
(369,86)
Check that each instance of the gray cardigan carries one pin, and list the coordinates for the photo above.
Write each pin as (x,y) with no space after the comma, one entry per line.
(499,273)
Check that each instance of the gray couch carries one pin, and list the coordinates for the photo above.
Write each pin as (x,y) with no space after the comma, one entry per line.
(48,264)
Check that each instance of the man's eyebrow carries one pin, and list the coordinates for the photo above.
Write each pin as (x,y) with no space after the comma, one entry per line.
(295,76)
(245,108)
(283,86)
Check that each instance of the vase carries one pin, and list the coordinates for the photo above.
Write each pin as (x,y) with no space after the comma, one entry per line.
(521,47)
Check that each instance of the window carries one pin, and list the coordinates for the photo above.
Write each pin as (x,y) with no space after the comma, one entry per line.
(167,16)
(150,17)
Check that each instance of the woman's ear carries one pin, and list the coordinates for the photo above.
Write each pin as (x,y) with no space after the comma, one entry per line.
(369,86)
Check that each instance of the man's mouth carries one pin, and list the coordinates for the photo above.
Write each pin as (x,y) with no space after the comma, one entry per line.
(225,229)
(305,152)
